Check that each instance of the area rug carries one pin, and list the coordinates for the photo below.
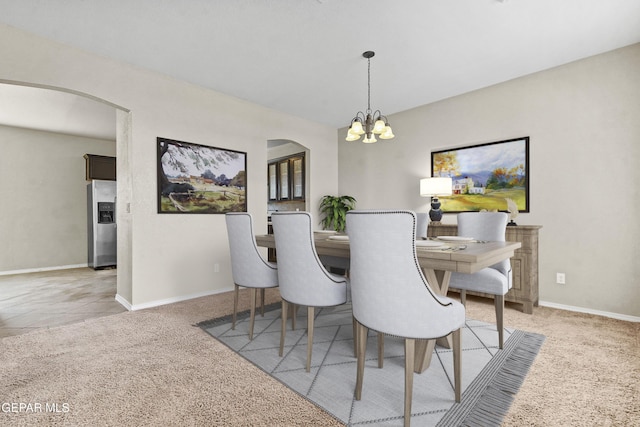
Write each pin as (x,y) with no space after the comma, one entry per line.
(490,377)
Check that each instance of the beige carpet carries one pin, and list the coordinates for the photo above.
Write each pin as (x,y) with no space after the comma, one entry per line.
(154,368)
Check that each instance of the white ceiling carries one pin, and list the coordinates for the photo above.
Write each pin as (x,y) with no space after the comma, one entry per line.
(303,57)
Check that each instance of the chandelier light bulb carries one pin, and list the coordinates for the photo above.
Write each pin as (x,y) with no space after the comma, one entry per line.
(356,128)
(387,133)
(352,136)
(379,126)
(369,138)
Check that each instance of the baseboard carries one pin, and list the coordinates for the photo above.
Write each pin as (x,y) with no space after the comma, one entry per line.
(37,270)
(126,304)
(617,316)
(175,299)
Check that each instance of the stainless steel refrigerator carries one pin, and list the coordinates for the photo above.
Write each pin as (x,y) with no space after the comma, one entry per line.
(101,223)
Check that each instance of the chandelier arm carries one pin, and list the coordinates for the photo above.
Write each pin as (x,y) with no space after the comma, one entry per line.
(359,116)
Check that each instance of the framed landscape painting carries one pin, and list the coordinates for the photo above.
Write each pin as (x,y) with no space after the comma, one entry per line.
(485,175)
(199,179)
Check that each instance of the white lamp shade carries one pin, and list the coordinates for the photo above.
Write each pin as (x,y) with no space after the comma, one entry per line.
(351,136)
(378,127)
(369,138)
(435,186)
(356,128)
(387,133)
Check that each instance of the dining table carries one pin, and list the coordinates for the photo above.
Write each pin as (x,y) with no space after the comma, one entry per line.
(438,258)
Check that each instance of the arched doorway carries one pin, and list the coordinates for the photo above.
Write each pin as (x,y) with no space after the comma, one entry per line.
(73,113)
(283,153)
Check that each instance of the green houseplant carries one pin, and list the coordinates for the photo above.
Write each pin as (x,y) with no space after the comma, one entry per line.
(334,209)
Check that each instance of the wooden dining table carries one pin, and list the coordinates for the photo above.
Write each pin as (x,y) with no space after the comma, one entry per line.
(437,264)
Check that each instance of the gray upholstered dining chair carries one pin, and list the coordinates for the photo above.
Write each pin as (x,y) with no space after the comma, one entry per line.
(248,267)
(331,263)
(302,277)
(494,280)
(390,294)
(422,224)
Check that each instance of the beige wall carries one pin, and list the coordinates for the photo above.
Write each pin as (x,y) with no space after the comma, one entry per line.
(44,198)
(170,257)
(582,119)
(584,122)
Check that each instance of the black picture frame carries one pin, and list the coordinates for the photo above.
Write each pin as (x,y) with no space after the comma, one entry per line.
(485,175)
(200,179)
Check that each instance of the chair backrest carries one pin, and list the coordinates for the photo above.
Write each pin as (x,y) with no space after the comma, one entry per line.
(485,226)
(247,265)
(422,223)
(389,292)
(302,277)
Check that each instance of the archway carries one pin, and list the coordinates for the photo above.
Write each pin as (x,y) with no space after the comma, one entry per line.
(122,125)
(280,149)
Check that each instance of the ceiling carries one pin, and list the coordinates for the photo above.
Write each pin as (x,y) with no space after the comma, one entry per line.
(304,57)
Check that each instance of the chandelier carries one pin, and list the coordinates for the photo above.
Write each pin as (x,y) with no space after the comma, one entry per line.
(369,123)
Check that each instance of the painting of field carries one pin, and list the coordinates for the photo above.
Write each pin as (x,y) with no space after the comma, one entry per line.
(491,201)
(195,178)
(485,175)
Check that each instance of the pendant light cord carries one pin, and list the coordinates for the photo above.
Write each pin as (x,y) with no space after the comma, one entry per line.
(368,85)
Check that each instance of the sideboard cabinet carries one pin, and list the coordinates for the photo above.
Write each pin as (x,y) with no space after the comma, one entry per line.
(524,263)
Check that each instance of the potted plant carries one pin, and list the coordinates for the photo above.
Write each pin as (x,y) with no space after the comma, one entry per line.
(335,210)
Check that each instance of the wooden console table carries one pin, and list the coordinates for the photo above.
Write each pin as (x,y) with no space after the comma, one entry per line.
(524,262)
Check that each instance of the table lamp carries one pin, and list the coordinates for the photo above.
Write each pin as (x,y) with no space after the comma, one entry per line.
(434,187)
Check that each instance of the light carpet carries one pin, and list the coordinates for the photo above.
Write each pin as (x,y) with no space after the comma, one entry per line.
(490,377)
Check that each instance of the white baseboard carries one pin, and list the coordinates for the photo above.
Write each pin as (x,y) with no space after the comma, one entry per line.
(37,270)
(617,316)
(126,304)
(173,300)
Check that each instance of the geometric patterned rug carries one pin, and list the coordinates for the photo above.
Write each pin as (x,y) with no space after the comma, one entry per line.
(490,377)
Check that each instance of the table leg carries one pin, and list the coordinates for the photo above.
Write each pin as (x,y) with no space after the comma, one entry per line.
(423,353)
(439,282)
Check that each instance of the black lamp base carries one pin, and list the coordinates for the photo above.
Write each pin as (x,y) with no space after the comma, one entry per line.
(435,214)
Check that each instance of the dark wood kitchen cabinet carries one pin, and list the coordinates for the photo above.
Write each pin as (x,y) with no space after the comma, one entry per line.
(285,178)
(100,167)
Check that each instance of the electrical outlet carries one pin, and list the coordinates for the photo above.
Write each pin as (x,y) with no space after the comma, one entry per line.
(560,278)
(216,268)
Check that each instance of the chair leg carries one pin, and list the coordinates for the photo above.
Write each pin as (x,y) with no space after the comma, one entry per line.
(283,330)
(294,314)
(463,297)
(262,302)
(235,306)
(499,301)
(252,310)
(354,323)
(457,363)
(362,350)
(380,350)
(310,314)
(409,352)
